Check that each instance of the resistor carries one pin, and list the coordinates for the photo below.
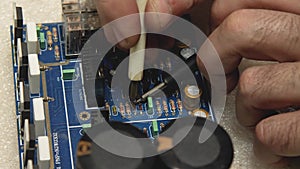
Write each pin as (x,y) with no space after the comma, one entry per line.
(165,106)
(158,107)
(179,104)
(169,64)
(162,65)
(145,130)
(49,40)
(57,53)
(106,106)
(173,106)
(55,36)
(122,109)
(128,109)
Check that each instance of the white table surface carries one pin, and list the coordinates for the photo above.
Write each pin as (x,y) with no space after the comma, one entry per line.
(50,11)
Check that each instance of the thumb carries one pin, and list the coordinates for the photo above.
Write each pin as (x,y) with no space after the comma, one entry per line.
(280,134)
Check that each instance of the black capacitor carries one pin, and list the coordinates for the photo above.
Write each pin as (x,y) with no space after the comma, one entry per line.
(18,26)
(215,153)
(92,156)
(19,17)
(24,53)
(23,75)
(134,91)
(24,115)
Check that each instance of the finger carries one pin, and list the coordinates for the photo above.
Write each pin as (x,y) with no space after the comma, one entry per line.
(267,156)
(264,88)
(264,35)
(221,9)
(110,10)
(280,134)
(158,21)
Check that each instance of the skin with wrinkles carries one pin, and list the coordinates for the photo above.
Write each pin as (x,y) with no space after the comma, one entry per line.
(254,29)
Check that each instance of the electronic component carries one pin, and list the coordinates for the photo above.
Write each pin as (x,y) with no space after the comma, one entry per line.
(42,40)
(200,113)
(52,90)
(55,35)
(56,52)
(92,156)
(150,111)
(49,40)
(43,154)
(34,73)
(29,164)
(187,52)
(214,153)
(26,136)
(21,96)
(114,110)
(39,116)
(68,74)
(18,24)
(32,38)
(192,95)
(155,128)
(84,116)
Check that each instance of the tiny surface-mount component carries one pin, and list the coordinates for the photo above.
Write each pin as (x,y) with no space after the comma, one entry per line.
(32,38)
(43,154)
(69,74)
(155,128)
(150,111)
(39,116)
(42,40)
(34,73)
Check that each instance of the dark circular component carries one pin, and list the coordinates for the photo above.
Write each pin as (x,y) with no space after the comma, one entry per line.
(92,156)
(215,153)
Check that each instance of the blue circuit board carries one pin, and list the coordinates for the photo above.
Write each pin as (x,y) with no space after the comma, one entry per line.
(67,107)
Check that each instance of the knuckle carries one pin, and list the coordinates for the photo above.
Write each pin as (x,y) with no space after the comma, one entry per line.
(217,13)
(248,83)
(236,22)
(251,27)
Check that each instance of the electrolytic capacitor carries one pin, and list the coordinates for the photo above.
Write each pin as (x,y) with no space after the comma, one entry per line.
(192,95)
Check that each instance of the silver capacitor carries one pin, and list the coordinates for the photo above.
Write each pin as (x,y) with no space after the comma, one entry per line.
(192,94)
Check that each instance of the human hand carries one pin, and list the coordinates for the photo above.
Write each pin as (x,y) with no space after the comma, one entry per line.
(110,10)
(261,34)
